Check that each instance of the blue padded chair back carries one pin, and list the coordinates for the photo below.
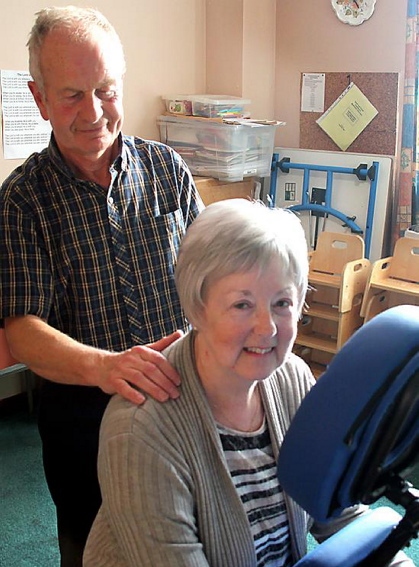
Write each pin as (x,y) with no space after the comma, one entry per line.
(360,422)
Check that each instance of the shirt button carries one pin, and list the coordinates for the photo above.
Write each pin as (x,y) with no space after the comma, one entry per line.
(110,200)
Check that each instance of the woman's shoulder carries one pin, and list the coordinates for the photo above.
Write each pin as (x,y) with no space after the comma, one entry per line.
(180,350)
(295,367)
(137,427)
(123,417)
(286,388)
(119,415)
(293,379)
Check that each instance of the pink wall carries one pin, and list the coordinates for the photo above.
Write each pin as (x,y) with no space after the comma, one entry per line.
(259,48)
(240,51)
(311,39)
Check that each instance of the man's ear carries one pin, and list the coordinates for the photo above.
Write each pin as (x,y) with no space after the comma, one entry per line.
(39,99)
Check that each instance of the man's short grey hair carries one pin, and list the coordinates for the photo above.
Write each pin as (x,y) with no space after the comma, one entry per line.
(81,23)
(235,236)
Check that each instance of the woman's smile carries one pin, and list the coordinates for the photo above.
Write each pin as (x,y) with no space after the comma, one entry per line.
(248,325)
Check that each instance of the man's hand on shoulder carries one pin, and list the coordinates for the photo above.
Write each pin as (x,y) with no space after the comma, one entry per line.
(141,371)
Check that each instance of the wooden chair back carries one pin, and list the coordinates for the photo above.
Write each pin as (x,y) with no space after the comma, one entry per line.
(334,251)
(404,264)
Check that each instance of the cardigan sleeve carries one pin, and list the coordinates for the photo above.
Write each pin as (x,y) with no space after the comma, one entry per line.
(148,503)
(168,496)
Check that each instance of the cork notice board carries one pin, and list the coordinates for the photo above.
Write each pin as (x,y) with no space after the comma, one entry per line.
(379,137)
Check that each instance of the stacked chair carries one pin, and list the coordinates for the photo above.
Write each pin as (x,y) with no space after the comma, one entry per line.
(393,280)
(337,278)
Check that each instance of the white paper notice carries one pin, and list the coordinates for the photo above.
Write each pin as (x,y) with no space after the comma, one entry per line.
(312,92)
(24,129)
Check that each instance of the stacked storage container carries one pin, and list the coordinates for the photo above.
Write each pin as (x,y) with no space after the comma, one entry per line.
(215,138)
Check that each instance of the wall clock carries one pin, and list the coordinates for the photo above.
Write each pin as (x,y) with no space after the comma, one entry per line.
(353,12)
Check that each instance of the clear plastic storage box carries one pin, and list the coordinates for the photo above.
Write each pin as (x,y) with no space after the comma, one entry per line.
(219,106)
(207,106)
(228,152)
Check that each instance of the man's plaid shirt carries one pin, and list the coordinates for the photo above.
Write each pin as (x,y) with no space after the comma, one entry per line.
(97,264)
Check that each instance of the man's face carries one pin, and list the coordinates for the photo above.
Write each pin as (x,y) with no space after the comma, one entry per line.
(82,95)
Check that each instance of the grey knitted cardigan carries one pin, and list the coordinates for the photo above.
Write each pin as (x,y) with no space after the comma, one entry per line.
(168,498)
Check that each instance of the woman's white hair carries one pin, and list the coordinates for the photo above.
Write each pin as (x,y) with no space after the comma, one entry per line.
(81,23)
(234,236)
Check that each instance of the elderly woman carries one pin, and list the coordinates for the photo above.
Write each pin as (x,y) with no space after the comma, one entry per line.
(192,482)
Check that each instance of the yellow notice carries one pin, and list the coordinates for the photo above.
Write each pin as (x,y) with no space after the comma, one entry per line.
(348,116)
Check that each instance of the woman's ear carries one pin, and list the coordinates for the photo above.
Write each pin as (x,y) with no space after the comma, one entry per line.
(39,99)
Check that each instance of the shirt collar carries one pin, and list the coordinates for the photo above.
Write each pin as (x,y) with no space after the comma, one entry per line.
(120,163)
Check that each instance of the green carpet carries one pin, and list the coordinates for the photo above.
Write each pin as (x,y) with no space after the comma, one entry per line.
(27,517)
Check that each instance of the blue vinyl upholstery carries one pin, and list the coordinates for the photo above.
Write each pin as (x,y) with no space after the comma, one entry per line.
(360,421)
(353,543)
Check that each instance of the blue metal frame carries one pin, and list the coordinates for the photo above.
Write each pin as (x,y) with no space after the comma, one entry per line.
(362,172)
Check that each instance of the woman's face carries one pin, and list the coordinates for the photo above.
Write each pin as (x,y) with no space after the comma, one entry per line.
(248,326)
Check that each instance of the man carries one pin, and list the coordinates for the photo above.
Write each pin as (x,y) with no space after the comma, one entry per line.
(90,229)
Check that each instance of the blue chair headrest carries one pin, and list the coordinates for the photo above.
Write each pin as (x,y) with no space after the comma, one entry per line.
(360,423)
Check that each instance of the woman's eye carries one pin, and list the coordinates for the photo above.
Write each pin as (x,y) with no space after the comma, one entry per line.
(283,303)
(242,305)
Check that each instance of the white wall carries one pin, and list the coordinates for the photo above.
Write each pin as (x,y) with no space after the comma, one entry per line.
(164,43)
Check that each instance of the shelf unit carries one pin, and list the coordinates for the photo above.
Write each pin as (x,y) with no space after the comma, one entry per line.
(393,280)
(337,279)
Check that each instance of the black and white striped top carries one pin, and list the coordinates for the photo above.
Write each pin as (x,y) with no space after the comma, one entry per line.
(253,469)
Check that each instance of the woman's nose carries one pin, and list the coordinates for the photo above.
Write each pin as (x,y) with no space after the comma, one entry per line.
(265,324)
